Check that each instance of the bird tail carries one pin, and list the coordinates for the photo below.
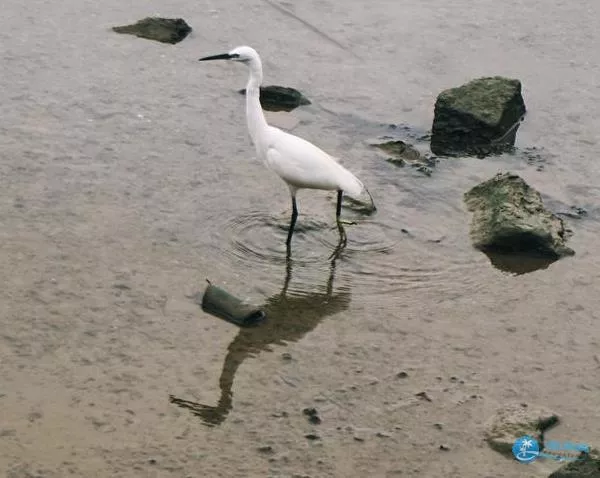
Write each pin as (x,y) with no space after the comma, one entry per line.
(353,187)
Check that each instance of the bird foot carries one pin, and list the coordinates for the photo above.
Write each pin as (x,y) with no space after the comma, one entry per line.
(347,223)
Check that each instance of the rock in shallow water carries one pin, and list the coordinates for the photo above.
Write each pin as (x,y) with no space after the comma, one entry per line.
(478,118)
(280,98)
(165,30)
(509,217)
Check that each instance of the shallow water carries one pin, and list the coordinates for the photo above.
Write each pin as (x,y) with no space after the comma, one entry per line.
(129,178)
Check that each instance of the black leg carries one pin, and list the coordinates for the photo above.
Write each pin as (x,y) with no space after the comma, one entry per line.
(342,242)
(292,222)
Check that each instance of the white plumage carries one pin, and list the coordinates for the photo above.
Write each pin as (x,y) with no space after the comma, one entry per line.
(301,164)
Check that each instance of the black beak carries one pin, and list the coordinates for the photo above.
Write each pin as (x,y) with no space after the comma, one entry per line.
(222,56)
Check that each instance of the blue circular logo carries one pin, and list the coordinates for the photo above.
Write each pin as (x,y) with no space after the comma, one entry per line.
(526,449)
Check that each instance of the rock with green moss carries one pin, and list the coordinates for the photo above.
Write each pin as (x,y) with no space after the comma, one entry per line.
(165,30)
(280,98)
(517,420)
(478,118)
(509,217)
(587,466)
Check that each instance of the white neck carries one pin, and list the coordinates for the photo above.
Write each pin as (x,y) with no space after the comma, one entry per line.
(257,124)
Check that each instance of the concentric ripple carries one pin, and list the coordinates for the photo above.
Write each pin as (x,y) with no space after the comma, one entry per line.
(379,259)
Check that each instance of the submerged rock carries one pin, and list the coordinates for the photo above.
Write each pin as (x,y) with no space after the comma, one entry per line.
(509,217)
(401,153)
(165,30)
(478,118)
(280,98)
(587,466)
(514,421)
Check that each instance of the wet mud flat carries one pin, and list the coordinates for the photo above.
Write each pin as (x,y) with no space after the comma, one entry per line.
(128,179)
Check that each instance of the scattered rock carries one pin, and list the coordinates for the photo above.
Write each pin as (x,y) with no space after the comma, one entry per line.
(265,449)
(286,356)
(165,30)
(312,436)
(444,447)
(439,426)
(383,435)
(401,153)
(574,212)
(313,415)
(514,421)
(401,375)
(280,98)
(588,466)
(358,438)
(478,118)
(509,217)
(423,396)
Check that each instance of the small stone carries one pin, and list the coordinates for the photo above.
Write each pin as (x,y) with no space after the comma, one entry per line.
(382,435)
(423,396)
(286,356)
(439,426)
(444,447)
(358,438)
(265,449)
(312,415)
(152,461)
(401,375)
(312,436)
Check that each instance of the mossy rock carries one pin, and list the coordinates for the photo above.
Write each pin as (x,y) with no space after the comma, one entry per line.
(517,420)
(509,217)
(587,466)
(478,118)
(280,98)
(165,30)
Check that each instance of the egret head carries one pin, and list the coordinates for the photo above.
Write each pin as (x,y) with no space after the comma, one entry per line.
(244,54)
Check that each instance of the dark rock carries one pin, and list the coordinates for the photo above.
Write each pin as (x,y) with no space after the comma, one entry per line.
(587,466)
(401,153)
(401,375)
(165,30)
(280,98)
(514,421)
(312,415)
(423,396)
(444,447)
(509,217)
(265,449)
(478,118)
(312,436)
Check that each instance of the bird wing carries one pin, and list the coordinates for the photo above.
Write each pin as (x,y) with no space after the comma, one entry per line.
(302,164)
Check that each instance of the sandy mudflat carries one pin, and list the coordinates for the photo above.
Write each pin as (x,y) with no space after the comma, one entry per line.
(128,179)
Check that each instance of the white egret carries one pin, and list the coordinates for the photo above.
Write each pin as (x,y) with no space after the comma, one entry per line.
(299,163)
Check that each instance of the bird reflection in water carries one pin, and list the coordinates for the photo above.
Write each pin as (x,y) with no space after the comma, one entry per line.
(288,319)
